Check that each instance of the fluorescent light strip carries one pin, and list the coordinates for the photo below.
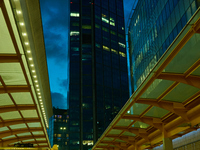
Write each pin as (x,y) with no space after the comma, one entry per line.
(32,65)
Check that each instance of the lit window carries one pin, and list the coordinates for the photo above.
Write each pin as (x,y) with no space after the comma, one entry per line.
(106,48)
(114,51)
(112,22)
(113,32)
(87,142)
(58,135)
(74,14)
(105,20)
(74,33)
(122,45)
(122,54)
(86,26)
(65,143)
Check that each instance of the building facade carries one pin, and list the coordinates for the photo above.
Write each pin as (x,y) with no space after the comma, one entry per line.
(153,27)
(98,68)
(58,129)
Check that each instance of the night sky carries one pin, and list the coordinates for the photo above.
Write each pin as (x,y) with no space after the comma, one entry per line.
(55,29)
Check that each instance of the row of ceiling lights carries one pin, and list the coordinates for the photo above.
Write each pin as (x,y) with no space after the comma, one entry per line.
(28,52)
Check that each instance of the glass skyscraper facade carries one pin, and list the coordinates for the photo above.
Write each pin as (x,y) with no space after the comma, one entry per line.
(98,68)
(58,131)
(153,27)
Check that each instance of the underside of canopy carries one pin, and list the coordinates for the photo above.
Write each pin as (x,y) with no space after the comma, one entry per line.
(25,102)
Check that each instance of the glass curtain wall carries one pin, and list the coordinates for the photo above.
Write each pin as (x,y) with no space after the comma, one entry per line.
(153,27)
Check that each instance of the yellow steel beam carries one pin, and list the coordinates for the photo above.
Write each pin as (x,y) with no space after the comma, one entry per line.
(192,68)
(177,108)
(138,131)
(18,131)
(6,142)
(14,89)
(18,121)
(4,109)
(25,148)
(8,58)
(190,80)
(155,122)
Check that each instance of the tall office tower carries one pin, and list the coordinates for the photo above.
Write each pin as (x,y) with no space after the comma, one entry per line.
(58,131)
(153,27)
(98,68)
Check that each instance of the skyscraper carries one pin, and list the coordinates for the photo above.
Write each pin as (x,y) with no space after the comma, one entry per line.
(153,27)
(58,129)
(98,68)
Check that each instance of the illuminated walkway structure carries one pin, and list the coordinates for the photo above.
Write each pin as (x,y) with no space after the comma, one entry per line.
(25,102)
(166,105)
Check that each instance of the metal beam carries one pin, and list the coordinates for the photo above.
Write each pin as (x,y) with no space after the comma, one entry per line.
(138,131)
(177,108)
(9,58)
(18,131)
(4,109)
(192,68)
(190,80)
(18,121)
(155,122)
(14,89)
(6,142)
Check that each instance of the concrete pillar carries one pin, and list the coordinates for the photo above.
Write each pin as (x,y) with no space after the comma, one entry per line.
(167,144)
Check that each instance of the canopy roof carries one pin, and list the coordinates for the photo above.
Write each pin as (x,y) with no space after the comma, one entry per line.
(167,103)
(25,102)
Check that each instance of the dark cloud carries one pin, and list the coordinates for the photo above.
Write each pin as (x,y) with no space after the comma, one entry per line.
(64,84)
(55,28)
(59,100)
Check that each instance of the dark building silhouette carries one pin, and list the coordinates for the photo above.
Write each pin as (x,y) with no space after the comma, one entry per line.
(98,68)
(58,129)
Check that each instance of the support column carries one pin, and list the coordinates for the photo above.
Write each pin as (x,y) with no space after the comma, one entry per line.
(167,144)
